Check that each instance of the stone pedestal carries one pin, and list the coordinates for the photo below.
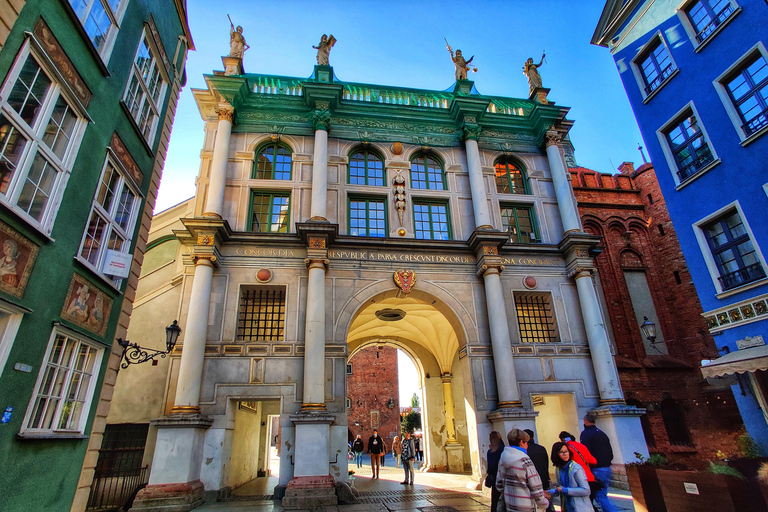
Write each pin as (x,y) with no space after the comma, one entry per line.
(621,423)
(170,497)
(505,419)
(232,66)
(454,451)
(310,492)
(312,440)
(463,87)
(539,95)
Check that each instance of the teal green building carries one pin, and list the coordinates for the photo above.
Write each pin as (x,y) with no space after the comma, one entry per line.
(88,95)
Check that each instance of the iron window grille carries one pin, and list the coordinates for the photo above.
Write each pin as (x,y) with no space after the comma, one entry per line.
(146,89)
(748,91)
(535,318)
(656,66)
(366,168)
(427,173)
(520,223)
(689,146)
(273,163)
(270,212)
(509,178)
(707,15)
(367,217)
(261,314)
(733,252)
(431,221)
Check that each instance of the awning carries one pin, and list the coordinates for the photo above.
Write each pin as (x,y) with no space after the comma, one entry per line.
(740,361)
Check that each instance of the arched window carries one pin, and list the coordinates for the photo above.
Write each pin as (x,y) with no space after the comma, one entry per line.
(427,173)
(366,168)
(510,178)
(273,162)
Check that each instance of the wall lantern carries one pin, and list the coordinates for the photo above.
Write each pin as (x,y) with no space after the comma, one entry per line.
(649,331)
(135,354)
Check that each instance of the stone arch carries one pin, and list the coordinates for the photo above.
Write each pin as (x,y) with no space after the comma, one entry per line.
(631,259)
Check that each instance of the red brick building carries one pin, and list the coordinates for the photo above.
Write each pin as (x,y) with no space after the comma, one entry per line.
(373,394)
(642,273)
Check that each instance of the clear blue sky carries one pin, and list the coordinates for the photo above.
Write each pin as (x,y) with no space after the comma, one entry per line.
(400,43)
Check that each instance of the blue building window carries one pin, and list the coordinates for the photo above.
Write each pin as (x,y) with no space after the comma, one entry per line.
(748,91)
(707,15)
(431,221)
(366,168)
(689,146)
(367,217)
(427,173)
(732,250)
(655,65)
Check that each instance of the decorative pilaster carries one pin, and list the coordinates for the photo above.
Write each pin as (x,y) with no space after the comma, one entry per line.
(218,182)
(476,183)
(566,201)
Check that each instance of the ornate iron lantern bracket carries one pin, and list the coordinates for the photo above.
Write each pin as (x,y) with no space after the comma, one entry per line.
(133,353)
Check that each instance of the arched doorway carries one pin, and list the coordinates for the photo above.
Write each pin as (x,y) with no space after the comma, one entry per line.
(431,335)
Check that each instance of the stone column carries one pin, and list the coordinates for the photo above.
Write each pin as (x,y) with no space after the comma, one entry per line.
(314,337)
(566,201)
(450,414)
(606,374)
(476,182)
(321,119)
(214,205)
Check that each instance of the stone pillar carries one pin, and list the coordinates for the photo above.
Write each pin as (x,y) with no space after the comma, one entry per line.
(476,182)
(566,201)
(321,120)
(450,414)
(314,337)
(606,373)
(214,205)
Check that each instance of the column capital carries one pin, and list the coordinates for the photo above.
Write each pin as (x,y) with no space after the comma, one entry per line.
(317,263)
(471,131)
(320,117)
(446,378)
(578,272)
(226,114)
(553,138)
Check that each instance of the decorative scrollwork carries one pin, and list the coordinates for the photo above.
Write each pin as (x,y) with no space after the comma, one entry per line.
(134,354)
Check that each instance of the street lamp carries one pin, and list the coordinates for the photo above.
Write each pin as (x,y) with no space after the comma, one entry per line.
(649,330)
(135,354)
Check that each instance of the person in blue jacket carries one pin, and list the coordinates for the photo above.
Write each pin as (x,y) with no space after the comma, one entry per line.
(571,481)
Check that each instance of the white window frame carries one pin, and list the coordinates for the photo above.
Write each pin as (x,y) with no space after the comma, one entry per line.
(691,30)
(725,97)
(7,337)
(149,131)
(706,252)
(78,429)
(109,218)
(115,18)
(638,72)
(662,132)
(34,136)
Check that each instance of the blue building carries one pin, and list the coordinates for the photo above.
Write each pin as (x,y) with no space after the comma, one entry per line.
(696,75)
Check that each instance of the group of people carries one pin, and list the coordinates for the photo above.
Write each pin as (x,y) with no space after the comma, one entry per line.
(518,474)
(407,449)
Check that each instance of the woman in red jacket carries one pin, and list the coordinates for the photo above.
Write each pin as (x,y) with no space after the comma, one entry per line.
(579,454)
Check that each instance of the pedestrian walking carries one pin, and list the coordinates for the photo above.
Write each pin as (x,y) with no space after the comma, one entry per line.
(358,447)
(375,449)
(419,451)
(599,445)
(517,480)
(493,456)
(572,481)
(408,456)
(540,458)
(397,450)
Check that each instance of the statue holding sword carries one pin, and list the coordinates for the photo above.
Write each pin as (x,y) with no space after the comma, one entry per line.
(237,44)
(458,60)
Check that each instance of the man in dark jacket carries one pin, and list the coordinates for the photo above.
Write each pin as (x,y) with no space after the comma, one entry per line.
(540,458)
(375,449)
(599,446)
(358,447)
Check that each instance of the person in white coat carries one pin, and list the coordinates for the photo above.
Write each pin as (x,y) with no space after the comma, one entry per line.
(572,481)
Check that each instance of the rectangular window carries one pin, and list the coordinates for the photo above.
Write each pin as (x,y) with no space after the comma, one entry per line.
(733,252)
(519,222)
(349,368)
(688,145)
(270,212)
(65,386)
(535,318)
(431,221)
(655,66)
(39,136)
(374,419)
(10,319)
(113,216)
(748,90)
(261,315)
(146,89)
(705,16)
(100,19)
(367,217)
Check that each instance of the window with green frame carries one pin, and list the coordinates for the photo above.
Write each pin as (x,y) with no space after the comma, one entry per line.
(367,217)
(273,162)
(270,212)
(427,173)
(431,221)
(520,222)
(366,168)
(510,178)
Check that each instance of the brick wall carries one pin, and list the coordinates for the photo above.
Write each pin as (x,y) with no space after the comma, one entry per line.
(370,387)
(629,212)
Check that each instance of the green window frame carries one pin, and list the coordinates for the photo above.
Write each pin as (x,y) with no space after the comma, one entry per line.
(431,220)
(520,222)
(510,177)
(270,212)
(427,173)
(366,168)
(368,216)
(273,162)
